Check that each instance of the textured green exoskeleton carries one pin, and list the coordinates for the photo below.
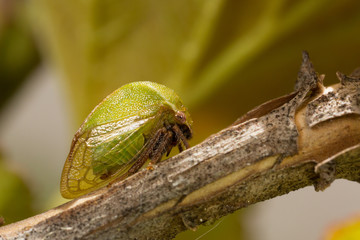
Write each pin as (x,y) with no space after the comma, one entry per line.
(135,123)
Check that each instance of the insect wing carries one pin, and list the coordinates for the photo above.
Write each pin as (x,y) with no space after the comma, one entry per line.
(106,149)
(117,147)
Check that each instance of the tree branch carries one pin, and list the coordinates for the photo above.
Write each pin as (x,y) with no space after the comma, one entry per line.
(309,137)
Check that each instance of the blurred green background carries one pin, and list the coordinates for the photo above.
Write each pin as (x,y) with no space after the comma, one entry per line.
(58,59)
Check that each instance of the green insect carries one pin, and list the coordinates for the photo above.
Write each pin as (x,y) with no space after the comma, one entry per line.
(138,122)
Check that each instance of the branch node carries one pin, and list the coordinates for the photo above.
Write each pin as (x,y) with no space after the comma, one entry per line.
(326,173)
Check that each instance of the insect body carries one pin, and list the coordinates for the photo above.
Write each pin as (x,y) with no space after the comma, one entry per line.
(135,123)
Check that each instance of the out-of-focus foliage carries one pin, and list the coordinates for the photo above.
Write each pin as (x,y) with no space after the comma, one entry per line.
(15,197)
(101,45)
(221,57)
(225,228)
(347,230)
(205,50)
(18,55)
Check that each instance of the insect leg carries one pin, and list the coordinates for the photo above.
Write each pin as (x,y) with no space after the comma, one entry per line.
(180,147)
(144,155)
(168,149)
(173,141)
(163,145)
(180,135)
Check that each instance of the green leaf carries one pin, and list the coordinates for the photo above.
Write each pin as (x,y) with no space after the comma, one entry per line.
(15,197)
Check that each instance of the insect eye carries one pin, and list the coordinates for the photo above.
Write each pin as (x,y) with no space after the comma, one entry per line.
(180,116)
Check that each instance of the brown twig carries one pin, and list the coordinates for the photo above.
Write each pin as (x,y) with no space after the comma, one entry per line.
(309,137)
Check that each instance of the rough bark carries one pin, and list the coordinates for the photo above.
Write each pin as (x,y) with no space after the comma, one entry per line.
(309,137)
